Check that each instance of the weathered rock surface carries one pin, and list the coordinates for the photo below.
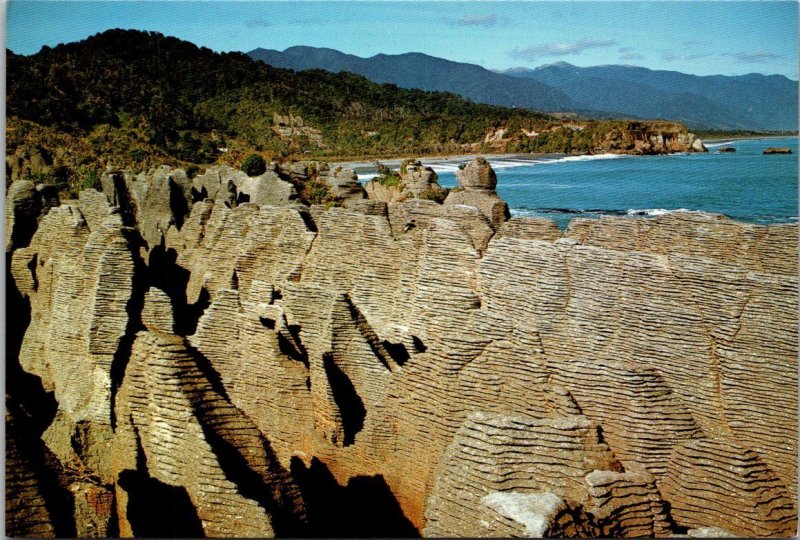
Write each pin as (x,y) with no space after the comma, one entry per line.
(195,440)
(648,139)
(415,181)
(714,482)
(477,182)
(232,186)
(416,364)
(26,204)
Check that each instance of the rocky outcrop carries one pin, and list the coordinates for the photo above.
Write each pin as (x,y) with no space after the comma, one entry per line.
(726,149)
(28,161)
(414,181)
(232,186)
(739,493)
(413,366)
(294,129)
(339,184)
(778,150)
(476,187)
(197,442)
(648,138)
(26,204)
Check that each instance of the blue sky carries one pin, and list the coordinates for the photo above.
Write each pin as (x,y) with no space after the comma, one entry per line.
(729,38)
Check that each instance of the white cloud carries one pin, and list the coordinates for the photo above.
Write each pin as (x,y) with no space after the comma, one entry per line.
(485,21)
(560,49)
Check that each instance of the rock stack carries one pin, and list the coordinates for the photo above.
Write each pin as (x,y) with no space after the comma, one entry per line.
(476,187)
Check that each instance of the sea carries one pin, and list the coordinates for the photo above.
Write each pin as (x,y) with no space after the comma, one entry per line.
(745,185)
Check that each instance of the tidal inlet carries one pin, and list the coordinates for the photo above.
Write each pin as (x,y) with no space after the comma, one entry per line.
(401,269)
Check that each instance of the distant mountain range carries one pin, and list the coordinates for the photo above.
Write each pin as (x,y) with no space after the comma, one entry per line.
(416,70)
(752,102)
(764,102)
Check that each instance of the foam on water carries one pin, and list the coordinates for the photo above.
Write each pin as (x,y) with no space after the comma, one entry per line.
(655,211)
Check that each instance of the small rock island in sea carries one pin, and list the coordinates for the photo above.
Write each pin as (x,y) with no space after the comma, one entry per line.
(409,360)
(778,150)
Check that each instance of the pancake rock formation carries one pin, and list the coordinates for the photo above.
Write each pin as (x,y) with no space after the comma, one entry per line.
(209,356)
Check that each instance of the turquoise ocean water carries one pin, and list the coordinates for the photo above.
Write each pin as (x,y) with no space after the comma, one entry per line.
(745,185)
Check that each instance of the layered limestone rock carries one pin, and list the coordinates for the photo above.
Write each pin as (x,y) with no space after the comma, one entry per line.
(79,284)
(476,187)
(414,181)
(263,367)
(178,430)
(717,483)
(225,184)
(27,514)
(554,476)
(26,204)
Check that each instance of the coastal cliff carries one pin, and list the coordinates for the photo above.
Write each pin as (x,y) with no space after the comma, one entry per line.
(210,356)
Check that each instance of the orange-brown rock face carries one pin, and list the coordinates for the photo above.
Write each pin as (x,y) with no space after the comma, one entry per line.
(398,369)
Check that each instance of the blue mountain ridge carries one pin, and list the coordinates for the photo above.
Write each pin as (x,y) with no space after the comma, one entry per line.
(753,101)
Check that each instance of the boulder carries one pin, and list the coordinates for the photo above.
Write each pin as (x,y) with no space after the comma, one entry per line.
(726,149)
(417,178)
(778,150)
(698,146)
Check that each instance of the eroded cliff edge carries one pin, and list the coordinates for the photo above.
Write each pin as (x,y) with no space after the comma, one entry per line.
(208,357)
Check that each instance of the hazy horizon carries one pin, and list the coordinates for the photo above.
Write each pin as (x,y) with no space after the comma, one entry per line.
(699,38)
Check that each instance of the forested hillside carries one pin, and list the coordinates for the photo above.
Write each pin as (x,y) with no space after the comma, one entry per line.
(141,97)
(134,99)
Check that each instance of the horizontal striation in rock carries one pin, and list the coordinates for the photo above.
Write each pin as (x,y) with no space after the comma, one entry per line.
(192,437)
(512,454)
(452,362)
(626,504)
(718,483)
(27,515)
(642,418)
(530,229)
(767,249)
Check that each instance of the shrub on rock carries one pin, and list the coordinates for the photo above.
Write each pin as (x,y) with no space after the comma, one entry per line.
(254,165)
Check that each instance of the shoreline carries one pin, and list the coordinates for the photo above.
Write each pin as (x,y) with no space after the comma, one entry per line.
(449,163)
(446,163)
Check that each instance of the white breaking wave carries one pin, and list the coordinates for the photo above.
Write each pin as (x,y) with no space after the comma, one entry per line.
(587,158)
(507,163)
(655,211)
(523,212)
(724,143)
